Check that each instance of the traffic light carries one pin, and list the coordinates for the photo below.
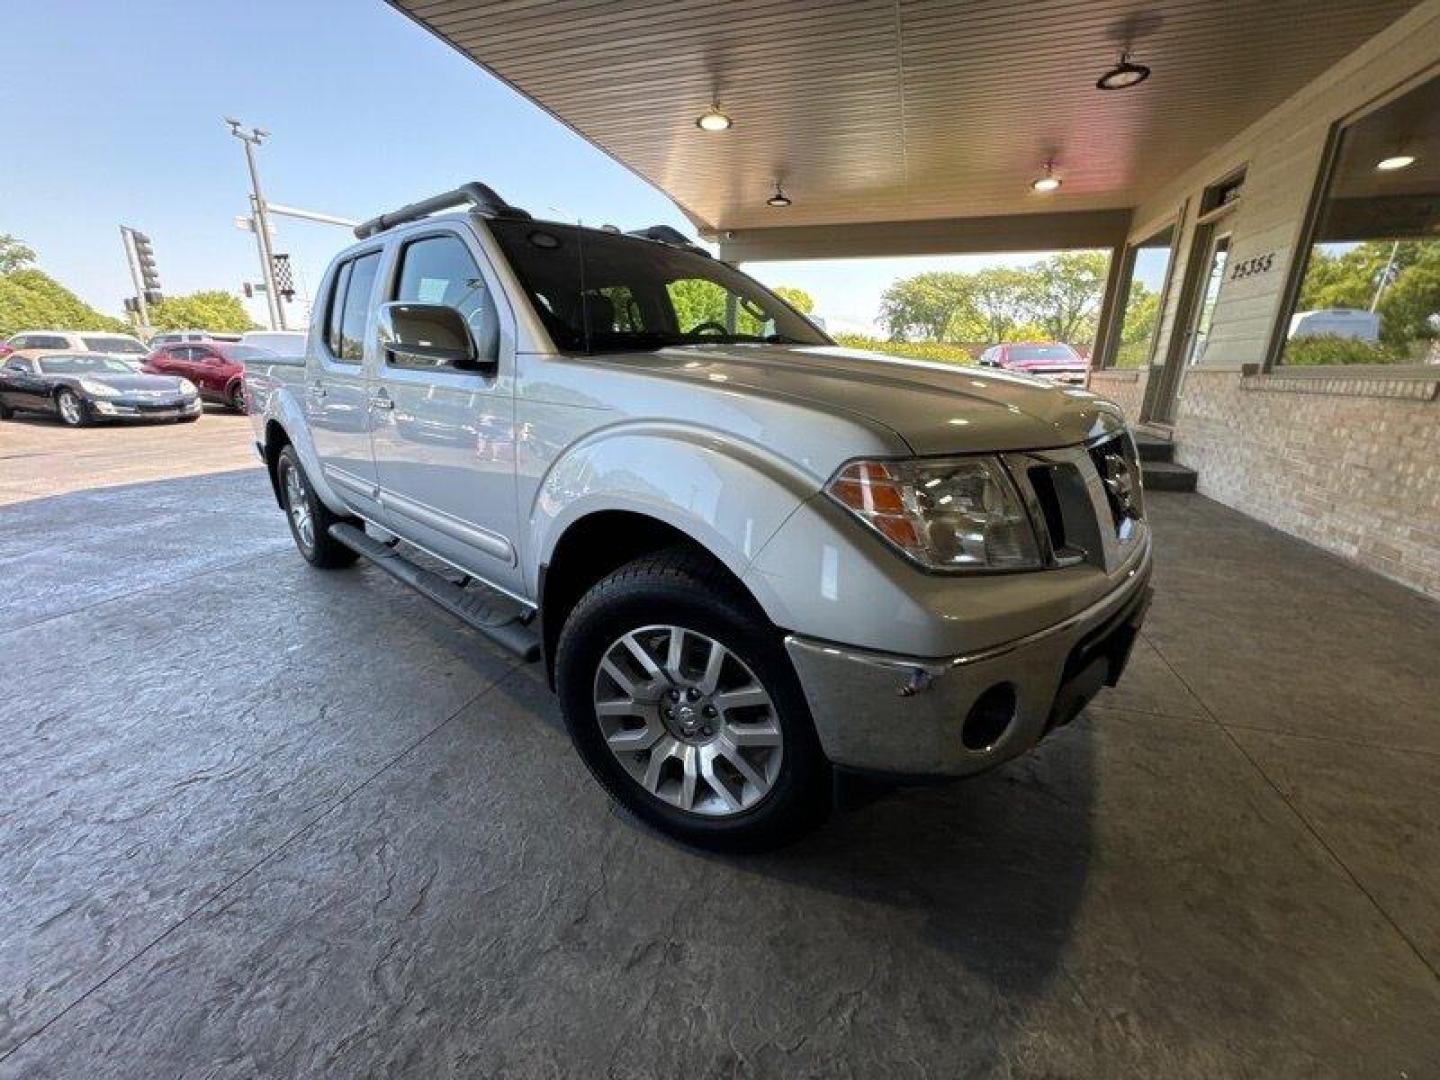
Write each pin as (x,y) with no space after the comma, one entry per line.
(284,282)
(132,306)
(149,273)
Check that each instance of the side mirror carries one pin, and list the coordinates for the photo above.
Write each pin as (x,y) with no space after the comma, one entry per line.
(435,333)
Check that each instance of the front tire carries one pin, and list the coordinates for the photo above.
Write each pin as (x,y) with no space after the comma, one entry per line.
(5,411)
(235,398)
(679,696)
(71,409)
(309,518)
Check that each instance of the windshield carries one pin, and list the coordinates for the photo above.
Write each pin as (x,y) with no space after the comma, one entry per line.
(83,365)
(113,344)
(605,292)
(1043,352)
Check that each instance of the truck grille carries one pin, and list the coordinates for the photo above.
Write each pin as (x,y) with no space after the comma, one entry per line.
(1089,500)
(1118,466)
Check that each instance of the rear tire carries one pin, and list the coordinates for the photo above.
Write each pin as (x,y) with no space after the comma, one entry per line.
(5,411)
(729,761)
(235,397)
(309,518)
(71,409)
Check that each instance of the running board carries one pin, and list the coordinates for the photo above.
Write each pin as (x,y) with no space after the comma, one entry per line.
(491,613)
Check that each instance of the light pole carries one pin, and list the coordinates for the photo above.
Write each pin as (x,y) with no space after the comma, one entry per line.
(253,138)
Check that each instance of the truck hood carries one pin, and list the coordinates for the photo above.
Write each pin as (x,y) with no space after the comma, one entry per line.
(935,408)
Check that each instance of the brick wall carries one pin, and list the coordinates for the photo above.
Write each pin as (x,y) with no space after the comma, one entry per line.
(1349,464)
(1124,386)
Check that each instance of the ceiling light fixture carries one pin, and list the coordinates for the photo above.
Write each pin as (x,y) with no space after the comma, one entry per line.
(1395,162)
(1123,75)
(713,119)
(1049,182)
(779,199)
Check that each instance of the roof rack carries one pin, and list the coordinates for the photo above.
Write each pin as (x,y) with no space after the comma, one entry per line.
(664,234)
(481,197)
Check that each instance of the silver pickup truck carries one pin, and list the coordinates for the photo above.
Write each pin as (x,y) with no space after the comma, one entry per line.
(755,564)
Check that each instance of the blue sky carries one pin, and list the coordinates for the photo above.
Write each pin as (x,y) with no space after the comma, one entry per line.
(121,123)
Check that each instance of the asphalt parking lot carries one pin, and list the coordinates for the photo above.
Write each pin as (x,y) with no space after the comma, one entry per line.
(264,821)
(38,458)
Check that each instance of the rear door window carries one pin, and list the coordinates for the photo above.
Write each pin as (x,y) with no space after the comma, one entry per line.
(336,310)
(356,311)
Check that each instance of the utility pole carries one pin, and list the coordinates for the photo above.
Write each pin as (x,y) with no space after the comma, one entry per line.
(253,138)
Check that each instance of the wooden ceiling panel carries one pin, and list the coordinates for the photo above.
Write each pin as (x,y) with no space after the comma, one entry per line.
(906,109)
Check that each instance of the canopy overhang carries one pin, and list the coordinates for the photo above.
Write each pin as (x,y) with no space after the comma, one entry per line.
(905,126)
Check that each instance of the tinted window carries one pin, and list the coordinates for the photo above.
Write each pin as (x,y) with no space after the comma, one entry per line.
(598,291)
(45,341)
(1042,352)
(440,270)
(357,308)
(336,309)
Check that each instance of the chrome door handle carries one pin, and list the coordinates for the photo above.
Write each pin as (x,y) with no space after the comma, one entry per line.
(316,390)
(381,401)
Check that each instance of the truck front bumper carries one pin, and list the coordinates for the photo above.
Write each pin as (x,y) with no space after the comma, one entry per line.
(953,717)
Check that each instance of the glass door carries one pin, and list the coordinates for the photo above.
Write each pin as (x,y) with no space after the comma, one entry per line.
(1204,275)
(1205,309)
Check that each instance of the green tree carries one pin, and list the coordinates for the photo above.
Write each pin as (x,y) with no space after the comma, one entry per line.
(922,307)
(14,255)
(1062,294)
(799,299)
(1410,307)
(1405,275)
(1057,298)
(211,309)
(1142,309)
(994,307)
(32,300)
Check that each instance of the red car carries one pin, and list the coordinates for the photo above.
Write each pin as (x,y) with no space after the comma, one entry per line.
(1044,359)
(216,367)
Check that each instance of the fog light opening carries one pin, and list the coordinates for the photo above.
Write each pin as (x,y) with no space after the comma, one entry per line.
(989,718)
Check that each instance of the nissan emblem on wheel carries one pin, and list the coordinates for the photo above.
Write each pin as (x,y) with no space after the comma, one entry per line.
(755,565)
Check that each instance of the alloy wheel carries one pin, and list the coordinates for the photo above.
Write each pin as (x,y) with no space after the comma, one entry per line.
(298,505)
(70,408)
(688,720)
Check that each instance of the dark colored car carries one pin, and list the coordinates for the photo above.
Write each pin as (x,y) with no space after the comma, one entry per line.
(1044,359)
(82,388)
(217,368)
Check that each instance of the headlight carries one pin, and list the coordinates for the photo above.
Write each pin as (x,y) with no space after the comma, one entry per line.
(187,387)
(946,514)
(99,389)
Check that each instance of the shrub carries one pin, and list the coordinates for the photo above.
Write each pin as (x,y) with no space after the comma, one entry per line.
(941,351)
(1327,350)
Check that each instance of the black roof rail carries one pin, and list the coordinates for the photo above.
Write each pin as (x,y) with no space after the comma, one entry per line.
(664,234)
(480,196)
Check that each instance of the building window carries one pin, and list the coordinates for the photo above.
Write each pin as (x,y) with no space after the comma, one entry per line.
(1369,289)
(1142,298)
